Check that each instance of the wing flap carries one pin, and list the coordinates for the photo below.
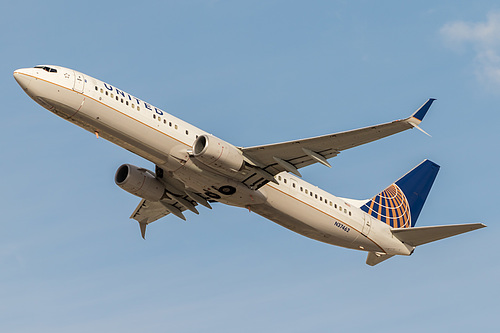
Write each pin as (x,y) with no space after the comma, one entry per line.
(422,235)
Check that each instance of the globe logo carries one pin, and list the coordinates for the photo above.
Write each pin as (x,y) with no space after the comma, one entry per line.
(390,206)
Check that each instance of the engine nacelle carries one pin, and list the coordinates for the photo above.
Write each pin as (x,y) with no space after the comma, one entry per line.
(139,182)
(217,154)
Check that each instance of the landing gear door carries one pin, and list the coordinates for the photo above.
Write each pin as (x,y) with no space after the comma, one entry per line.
(368,224)
(79,82)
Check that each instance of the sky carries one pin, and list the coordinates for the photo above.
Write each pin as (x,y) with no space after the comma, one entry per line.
(250,72)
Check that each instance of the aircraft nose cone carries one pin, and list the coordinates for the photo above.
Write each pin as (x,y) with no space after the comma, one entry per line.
(22,78)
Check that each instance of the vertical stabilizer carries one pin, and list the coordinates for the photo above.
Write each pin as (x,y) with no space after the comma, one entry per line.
(399,205)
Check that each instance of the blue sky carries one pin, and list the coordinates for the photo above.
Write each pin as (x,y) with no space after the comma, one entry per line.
(250,72)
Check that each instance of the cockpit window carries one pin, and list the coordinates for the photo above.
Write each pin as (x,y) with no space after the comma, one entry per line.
(47,69)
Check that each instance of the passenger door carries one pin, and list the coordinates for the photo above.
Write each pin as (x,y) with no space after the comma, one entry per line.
(368,224)
(79,84)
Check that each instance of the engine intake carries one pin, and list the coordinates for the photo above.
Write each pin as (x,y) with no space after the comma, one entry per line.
(139,182)
(217,153)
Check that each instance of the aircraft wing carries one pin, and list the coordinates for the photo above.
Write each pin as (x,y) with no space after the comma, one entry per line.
(149,211)
(293,155)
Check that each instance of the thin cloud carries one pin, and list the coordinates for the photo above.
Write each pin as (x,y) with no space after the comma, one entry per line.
(484,38)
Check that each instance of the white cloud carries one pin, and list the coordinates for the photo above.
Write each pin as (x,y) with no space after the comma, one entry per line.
(484,38)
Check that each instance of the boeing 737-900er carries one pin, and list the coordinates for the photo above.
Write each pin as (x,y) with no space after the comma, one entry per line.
(193,168)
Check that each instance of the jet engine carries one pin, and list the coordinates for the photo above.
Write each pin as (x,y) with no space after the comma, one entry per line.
(139,182)
(217,154)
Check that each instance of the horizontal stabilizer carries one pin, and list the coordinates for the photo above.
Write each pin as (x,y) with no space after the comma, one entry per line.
(423,235)
(376,258)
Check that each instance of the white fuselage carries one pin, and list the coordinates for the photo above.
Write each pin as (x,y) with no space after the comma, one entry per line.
(167,141)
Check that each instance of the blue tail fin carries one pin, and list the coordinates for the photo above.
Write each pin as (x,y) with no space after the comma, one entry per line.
(400,204)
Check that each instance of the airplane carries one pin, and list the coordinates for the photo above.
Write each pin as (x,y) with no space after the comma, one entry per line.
(193,168)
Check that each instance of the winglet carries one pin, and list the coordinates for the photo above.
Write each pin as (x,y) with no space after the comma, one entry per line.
(422,111)
(143,224)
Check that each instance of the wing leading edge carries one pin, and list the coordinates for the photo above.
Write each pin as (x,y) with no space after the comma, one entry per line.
(293,155)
